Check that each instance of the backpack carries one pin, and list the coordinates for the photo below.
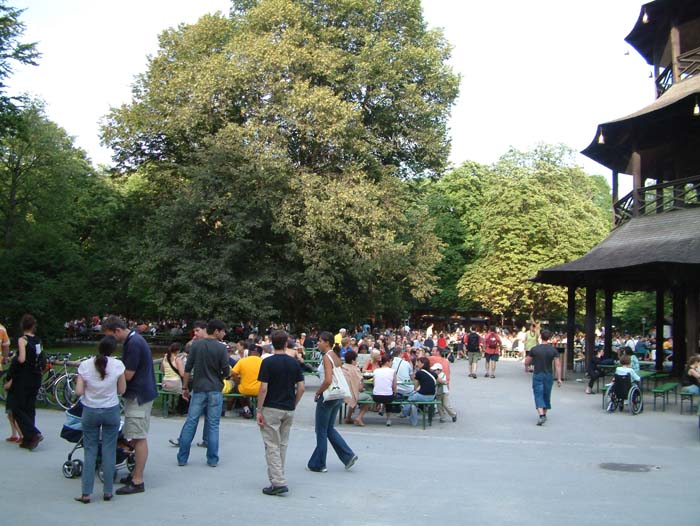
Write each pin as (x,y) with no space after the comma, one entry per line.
(473,342)
(492,341)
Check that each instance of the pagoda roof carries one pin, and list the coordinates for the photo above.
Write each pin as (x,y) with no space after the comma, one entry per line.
(661,15)
(650,126)
(637,255)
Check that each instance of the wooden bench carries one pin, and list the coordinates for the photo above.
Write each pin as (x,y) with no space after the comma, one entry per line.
(253,400)
(429,408)
(663,390)
(687,397)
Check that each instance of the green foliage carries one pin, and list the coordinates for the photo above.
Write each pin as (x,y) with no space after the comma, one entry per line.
(629,308)
(44,185)
(271,149)
(12,51)
(538,209)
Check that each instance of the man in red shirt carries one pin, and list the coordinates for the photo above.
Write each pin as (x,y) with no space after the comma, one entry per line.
(492,350)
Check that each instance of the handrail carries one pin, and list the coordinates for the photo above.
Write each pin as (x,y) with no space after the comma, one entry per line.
(656,199)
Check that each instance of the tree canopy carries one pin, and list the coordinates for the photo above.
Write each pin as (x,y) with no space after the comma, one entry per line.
(272,147)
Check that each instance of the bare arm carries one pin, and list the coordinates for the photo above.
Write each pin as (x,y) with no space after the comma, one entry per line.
(129,375)
(557,365)
(22,347)
(121,384)
(80,386)
(300,392)
(262,393)
(327,376)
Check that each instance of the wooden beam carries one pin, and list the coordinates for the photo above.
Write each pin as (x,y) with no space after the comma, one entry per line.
(659,329)
(570,321)
(679,330)
(608,321)
(590,324)
(675,53)
(637,183)
(691,319)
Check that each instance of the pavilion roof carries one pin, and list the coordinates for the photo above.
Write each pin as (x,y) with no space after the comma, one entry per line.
(662,120)
(638,254)
(661,14)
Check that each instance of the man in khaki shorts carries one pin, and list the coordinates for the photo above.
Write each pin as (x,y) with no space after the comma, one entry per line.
(140,392)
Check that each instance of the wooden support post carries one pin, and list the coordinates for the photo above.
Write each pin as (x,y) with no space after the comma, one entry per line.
(570,322)
(637,184)
(691,319)
(659,329)
(675,52)
(590,324)
(679,330)
(608,321)
(615,191)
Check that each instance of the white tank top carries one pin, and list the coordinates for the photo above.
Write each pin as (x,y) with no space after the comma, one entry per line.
(383,381)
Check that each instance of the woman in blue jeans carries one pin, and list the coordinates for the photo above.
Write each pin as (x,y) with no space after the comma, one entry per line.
(100,381)
(326,414)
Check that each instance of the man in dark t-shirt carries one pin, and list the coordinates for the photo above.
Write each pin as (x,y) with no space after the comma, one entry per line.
(542,356)
(281,388)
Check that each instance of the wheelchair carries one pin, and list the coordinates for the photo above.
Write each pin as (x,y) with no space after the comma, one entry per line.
(624,389)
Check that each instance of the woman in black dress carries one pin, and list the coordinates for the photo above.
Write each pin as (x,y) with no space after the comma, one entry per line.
(31,362)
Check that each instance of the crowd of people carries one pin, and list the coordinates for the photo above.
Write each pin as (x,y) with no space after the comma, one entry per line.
(388,372)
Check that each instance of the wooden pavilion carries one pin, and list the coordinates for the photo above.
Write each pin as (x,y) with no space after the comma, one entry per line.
(655,241)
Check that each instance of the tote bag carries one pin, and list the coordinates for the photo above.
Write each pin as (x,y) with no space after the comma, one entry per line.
(339,388)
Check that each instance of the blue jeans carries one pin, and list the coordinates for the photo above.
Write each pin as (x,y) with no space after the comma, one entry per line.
(94,420)
(326,414)
(209,403)
(411,410)
(542,389)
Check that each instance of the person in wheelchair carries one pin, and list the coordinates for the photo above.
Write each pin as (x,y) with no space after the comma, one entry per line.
(625,386)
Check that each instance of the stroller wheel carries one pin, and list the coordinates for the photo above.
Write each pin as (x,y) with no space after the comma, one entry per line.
(68,469)
(77,468)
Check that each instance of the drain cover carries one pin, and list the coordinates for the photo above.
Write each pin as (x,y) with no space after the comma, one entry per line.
(629,468)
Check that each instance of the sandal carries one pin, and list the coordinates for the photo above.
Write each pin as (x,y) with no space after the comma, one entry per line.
(13,439)
(85,499)
(358,423)
(107,497)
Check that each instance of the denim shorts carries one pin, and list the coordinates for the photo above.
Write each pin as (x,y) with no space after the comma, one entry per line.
(491,357)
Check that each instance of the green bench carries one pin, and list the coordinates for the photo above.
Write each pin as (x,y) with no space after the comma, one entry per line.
(169,397)
(662,391)
(687,397)
(428,412)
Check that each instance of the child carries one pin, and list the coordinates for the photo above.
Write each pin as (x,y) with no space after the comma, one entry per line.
(442,393)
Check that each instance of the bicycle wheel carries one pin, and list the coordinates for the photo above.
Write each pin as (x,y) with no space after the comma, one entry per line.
(64,390)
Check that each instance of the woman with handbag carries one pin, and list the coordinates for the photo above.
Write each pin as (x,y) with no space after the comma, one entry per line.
(100,381)
(329,398)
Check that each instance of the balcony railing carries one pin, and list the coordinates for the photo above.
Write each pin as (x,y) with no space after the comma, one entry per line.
(689,66)
(658,199)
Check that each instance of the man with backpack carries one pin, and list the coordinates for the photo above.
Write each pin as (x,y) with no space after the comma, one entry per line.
(472,342)
(492,350)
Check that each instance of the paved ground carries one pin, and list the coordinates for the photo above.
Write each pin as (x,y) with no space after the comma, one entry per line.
(494,466)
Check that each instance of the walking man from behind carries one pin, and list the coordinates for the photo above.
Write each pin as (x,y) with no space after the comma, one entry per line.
(474,348)
(139,395)
(281,388)
(209,359)
(541,357)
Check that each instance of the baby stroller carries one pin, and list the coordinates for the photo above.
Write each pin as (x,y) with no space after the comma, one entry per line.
(72,431)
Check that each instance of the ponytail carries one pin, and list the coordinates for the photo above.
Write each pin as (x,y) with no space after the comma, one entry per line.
(107,346)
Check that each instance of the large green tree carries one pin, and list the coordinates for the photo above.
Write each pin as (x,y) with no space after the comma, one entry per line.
(46,185)
(538,209)
(273,145)
(12,52)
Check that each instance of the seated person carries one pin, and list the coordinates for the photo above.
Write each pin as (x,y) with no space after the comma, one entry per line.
(245,375)
(353,375)
(594,371)
(426,387)
(691,378)
(384,389)
(625,370)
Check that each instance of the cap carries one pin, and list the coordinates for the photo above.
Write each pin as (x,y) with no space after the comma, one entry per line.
(436,366)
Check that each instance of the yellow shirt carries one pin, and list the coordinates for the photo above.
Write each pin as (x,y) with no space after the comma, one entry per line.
(248,368)
(338,339)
